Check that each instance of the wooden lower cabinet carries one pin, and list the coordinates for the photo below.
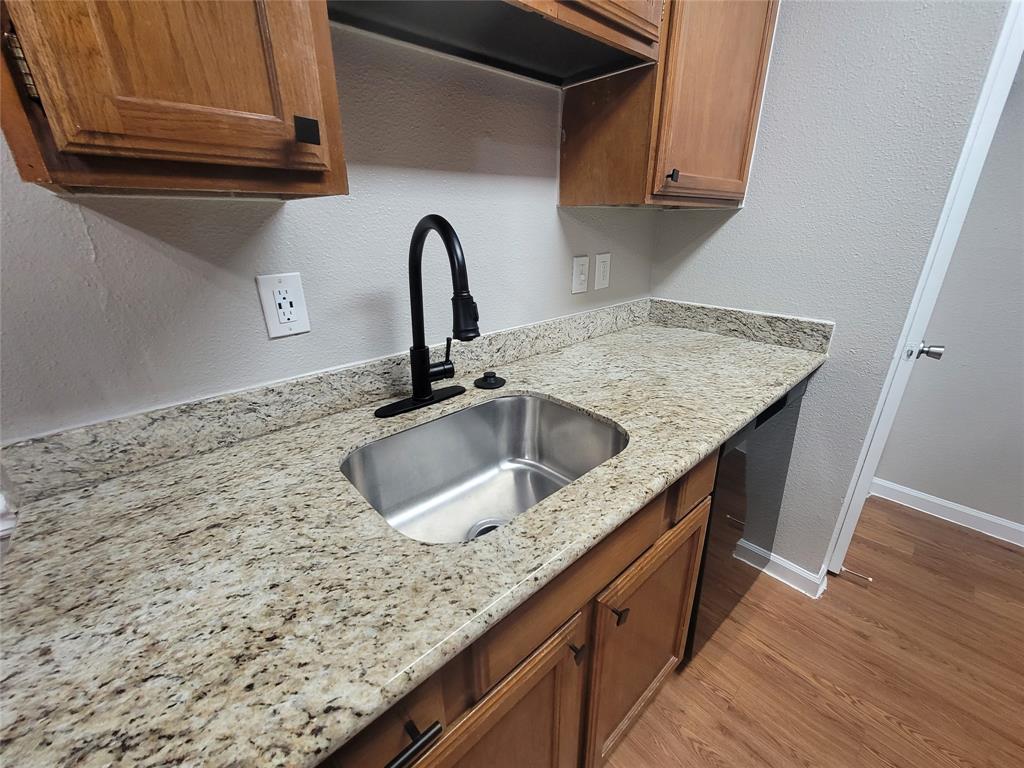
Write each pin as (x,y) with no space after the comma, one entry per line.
(532,718)
(559,681)
(639,628)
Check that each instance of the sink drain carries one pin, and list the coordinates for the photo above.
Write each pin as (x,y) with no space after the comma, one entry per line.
(483,527)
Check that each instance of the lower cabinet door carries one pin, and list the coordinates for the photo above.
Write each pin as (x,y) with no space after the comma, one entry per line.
(532,718)
(639,630)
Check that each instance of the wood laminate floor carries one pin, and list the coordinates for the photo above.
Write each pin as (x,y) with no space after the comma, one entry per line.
(924,668)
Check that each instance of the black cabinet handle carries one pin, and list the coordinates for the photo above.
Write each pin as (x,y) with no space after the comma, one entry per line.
(577,653)
(307,130)
(674,175)
(421,740)
(620,615)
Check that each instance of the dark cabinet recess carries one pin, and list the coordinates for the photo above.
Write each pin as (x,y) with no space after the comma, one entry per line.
(556,42)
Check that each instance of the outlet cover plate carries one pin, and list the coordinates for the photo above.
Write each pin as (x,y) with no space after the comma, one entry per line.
(580,274)
(602,270)
(284,304)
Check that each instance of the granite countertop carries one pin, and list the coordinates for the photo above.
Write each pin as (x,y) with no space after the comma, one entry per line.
(247,606)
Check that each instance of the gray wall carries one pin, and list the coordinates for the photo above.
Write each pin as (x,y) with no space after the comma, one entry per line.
(959,432)
(865,113)
(111,306)
(117,305)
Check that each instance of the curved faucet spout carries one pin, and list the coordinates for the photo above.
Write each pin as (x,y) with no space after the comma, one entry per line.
(464,311)
(464,319)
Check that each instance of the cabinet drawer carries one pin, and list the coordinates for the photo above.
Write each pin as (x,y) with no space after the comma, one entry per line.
(394,731)
(531,719)
(698,483)
(639,628)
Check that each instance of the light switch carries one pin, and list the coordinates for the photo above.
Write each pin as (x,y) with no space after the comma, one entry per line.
(602,270)
(580,273)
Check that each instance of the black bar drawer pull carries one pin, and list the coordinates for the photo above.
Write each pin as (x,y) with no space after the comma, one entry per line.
(620,615)
(421,740)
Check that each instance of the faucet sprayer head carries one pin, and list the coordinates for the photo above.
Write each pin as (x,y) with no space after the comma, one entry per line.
(464,317)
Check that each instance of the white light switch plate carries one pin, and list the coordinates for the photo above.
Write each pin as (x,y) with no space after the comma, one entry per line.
(580,273)
(602,270)
(284,304)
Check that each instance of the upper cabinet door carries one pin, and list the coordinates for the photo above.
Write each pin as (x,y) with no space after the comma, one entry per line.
(716,56)
(184,80)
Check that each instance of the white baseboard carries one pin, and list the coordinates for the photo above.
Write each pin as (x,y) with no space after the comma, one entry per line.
(976,520)
(790,574)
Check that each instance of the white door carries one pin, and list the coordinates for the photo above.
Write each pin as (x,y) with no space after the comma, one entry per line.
(956,447)
(1002,72)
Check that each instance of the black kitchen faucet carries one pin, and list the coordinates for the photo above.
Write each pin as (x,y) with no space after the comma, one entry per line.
(464,319)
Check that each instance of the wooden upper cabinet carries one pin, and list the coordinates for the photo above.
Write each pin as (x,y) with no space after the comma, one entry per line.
(208,95)
(630,25)
(680,134)
(643,17)
(716,58)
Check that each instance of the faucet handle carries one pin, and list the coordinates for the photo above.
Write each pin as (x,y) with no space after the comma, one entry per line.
(445,369)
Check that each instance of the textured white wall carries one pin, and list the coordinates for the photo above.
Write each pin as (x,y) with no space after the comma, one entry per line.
(115,305)
(959,432)
(865,113)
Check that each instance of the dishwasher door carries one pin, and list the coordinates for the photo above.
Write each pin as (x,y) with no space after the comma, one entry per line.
(752,469)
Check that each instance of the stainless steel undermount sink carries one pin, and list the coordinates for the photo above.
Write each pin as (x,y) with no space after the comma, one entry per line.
(467,473)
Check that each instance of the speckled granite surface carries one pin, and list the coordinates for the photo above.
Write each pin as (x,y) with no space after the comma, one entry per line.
(798,332)
(92,454)
(247,607)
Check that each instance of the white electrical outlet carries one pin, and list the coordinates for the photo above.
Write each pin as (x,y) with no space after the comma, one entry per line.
(602,270)
(284,304)
(580,273)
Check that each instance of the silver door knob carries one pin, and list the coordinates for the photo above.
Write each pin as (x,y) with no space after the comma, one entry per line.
(933,351)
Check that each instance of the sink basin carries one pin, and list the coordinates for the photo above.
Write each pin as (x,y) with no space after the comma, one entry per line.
(467,473)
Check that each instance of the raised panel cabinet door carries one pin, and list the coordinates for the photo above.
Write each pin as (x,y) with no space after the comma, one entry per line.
(639,630)
(532,718)
(213,81)
(716,56)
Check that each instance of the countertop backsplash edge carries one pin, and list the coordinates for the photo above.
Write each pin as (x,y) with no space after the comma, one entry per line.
(767,327)
(80,457)
(40,467)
